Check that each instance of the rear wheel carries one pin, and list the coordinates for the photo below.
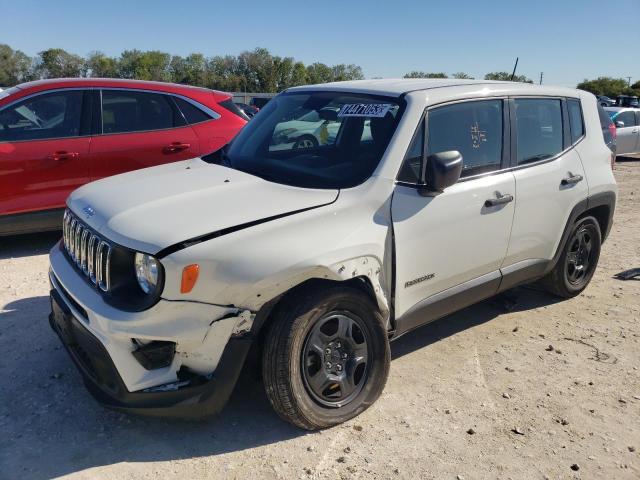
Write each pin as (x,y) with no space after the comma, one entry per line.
(578,262)
(326,357)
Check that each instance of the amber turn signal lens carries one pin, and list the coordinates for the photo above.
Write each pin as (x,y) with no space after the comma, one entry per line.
(189,277)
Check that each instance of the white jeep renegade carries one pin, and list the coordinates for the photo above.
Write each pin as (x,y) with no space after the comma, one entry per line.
(429,196)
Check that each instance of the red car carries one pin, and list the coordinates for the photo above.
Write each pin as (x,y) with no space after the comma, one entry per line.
(56,135)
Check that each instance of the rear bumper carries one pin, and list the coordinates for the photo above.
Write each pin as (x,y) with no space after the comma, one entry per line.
(202,396)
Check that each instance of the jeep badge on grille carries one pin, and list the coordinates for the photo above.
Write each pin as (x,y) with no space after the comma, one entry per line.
(88,211)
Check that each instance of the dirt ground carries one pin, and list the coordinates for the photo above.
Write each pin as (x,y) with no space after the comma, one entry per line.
(521,386)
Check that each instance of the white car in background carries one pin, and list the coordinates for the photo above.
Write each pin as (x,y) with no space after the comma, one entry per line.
(311,129)
(167,276)
(627,122)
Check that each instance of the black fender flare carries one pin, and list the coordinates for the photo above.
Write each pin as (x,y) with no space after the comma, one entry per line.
(607,199)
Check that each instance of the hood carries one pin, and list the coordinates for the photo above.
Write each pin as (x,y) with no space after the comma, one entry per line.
(153,208)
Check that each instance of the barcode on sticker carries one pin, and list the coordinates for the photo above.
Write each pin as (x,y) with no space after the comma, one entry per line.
(364,110)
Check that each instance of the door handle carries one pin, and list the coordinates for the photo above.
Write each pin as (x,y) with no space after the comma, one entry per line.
(63,155)
(571,179)
(499,200)
(176,147)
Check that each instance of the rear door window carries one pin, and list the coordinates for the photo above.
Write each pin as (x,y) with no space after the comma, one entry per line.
(46,116)
(472,128)
(131,111)
(575,119)
(538,129)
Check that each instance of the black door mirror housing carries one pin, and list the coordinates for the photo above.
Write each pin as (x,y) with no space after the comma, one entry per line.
(440,170)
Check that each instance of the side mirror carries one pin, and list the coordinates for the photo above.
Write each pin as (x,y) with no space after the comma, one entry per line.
(442,170)
(619,124)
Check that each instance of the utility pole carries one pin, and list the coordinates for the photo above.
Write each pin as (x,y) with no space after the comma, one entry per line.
(629,79)
(541,75)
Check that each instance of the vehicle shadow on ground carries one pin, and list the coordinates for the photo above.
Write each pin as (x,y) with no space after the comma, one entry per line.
(26,245)
(515,300)
(53,427)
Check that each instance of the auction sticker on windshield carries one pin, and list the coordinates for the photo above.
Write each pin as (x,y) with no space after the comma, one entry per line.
(364,110)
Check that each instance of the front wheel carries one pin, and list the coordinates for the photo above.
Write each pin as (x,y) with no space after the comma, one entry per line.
(578,261)
(326,357)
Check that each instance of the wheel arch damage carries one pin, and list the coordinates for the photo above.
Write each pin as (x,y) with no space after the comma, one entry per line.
(364,272)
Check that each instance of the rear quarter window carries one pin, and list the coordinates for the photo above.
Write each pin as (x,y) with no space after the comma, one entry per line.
(576,120)
(192,114)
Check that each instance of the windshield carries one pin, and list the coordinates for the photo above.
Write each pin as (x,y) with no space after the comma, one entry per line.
(316,139)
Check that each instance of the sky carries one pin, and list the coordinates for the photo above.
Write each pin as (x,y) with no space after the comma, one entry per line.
(568,40)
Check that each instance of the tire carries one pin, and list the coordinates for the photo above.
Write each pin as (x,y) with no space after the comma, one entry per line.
(294,366)
(306,141)
(577,264)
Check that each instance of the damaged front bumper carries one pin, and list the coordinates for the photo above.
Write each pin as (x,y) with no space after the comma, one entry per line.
(211,344)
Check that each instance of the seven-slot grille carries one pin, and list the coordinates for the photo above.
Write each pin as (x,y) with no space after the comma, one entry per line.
(87,250)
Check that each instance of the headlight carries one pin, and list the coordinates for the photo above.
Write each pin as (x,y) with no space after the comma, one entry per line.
(147,272)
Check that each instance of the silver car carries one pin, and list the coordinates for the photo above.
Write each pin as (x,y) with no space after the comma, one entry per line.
(627,121)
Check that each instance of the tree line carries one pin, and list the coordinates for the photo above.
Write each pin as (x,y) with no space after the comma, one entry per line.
(609,86)
(463,75)
(252,71)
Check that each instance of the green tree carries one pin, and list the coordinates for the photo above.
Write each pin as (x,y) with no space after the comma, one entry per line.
(285,69)
(223,74)
(99,65)
(58,63)
(421,74)
(190,70)
(462,76)
(319,73)
(151,65)
(252,71)
(258,68)
(506,76)
(342,72)
(299,74)
(611,87)
(15,66)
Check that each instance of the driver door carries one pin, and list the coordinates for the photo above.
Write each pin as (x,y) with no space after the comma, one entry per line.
(449,247)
